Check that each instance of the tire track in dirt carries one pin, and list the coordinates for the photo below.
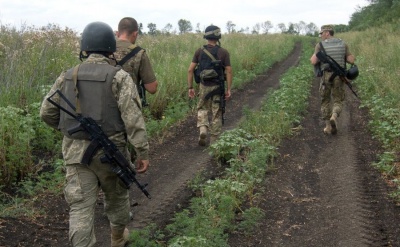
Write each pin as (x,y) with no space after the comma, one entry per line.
(324,191)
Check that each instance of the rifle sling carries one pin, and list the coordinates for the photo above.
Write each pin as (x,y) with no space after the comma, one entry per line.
(129,55)
(217,91)
(209,54)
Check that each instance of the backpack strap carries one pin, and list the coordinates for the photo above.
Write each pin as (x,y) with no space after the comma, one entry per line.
(129,55)
(209,54)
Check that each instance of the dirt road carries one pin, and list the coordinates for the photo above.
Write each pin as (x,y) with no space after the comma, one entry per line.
(323,192)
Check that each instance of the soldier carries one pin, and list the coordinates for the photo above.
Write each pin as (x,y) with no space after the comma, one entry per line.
(138,66)
(210,83)
(108,95)
(332,91)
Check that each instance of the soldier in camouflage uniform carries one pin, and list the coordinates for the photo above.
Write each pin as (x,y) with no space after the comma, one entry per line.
(139,65)
(205,106)
(332,92)
(113,100)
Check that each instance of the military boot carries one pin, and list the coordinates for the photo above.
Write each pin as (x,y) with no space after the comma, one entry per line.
(333,122)
(328,127)
(119,238)
(203,135)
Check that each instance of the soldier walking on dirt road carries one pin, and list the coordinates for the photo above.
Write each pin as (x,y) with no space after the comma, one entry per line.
(332,91)
(209,83)
(108,95)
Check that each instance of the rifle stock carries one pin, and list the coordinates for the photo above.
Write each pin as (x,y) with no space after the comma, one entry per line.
(119,164)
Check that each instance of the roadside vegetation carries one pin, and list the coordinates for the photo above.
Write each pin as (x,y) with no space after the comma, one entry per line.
(377,51)
(30,161)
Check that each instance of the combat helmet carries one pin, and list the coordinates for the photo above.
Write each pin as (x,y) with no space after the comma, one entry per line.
(352,73)
(98,36)
(212,32)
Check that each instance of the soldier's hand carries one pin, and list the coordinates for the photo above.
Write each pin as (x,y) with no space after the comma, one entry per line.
(191,93)
(228,94)
(142,165)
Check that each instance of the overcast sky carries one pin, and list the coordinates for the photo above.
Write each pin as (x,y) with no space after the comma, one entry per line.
(76,14)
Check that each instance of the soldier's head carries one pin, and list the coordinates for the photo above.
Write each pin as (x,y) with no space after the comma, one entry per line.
(98,37)
(327,28)
(212,33)
(128,25)
(128,29)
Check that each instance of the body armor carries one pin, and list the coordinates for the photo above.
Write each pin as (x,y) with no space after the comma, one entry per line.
(96,99)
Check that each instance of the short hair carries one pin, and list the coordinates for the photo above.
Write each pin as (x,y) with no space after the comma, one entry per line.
(128,25)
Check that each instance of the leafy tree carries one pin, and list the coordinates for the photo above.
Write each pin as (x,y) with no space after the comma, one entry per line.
(282,27)
(311,29)
(167,28)
(198,30)
(256,29)
(230,27)
(266,26)
(375,14)
(341,28)
(184,26)
(291,29)
(152,28)
(140,28)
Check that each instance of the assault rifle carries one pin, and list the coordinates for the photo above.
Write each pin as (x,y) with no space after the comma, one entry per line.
(119,164)
(142,94)
(221,89)
(337,69)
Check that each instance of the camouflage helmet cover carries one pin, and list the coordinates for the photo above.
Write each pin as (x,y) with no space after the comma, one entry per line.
(212,32)
(327,28)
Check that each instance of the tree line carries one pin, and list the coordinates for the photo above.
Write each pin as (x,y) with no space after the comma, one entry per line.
(375,13)
(185,26)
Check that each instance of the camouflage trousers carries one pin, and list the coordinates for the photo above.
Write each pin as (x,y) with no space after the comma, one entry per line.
(83,184)
(204,107)
(332,95)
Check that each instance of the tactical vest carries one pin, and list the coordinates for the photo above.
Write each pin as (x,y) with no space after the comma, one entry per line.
(205,62)
(96,99)
(336,49)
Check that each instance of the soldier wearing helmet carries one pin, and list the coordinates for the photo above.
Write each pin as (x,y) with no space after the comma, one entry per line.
(208,84)
(108,95)
(332,91)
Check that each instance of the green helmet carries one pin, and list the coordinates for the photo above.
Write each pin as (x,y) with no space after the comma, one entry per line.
(212,32)
(352,73)
(98,36)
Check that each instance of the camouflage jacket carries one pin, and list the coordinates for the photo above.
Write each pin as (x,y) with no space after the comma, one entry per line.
(126,94)
(138,66)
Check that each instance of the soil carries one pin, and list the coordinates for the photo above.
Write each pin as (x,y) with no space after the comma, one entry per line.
(322,190)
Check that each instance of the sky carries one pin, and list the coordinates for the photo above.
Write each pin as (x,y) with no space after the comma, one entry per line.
(76,14)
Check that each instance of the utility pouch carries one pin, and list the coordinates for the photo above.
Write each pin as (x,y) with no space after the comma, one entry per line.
(196,75)
(208,74)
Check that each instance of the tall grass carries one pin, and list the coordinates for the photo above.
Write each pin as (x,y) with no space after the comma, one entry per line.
(377,51)
(33,57)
